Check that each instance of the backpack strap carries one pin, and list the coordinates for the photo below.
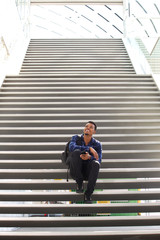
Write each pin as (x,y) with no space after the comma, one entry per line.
(79,142)
(67,179)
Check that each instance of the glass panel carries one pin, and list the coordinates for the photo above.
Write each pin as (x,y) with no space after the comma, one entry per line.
(23,7)
(142,18)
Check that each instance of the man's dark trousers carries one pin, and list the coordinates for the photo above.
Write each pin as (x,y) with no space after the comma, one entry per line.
(83,170)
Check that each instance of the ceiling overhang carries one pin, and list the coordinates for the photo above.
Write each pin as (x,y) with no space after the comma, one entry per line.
(106,2)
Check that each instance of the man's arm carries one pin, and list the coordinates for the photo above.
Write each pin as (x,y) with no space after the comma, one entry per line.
(73,145)
(92,153)
(96,152)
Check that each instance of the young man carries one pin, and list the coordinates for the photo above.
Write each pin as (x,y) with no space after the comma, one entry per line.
(84,160)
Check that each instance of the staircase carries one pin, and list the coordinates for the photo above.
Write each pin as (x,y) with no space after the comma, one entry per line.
(63,84)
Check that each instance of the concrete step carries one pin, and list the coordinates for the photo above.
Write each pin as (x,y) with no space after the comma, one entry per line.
(148,129)
(57,164)
(55,184)
(78,208)
(62,173)
(78,84)
(110,195)
(73,123)
(79,55)
(51,124)
(79,99)
(75,61)
(88,77)
(58,72)
(71,42)
(77,80)
(65,137)
(76,45)
(87,73)
(60,88)
(110,76)
(80,93)
(79,221)
(77,50)
(78,60)
(79,235)
(107,154)
(89,46)
(54,146)
(73,45)
(61,104)
(44,111)
(79,67)
(74,58)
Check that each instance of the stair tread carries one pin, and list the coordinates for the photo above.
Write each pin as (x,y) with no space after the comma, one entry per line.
(105,170)
(82,221)
(56,195)
(63,143)
(118,235)
(142,76)
(79,208)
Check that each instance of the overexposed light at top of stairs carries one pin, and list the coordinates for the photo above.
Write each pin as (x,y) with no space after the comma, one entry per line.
(95,21)
(76,21)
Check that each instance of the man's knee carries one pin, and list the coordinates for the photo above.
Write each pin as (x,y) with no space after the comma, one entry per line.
(76,153)
(74,157)
(95,165)
(75,165)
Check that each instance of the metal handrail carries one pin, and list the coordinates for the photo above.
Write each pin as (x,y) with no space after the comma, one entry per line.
(155,45)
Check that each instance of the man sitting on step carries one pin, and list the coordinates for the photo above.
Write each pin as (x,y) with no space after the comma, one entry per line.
(84,160)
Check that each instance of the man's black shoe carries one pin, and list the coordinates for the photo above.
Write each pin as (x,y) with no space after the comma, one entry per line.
(87,199)
(79,188)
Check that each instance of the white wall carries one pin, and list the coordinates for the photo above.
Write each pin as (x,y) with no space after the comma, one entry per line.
(13,42)
(140,61)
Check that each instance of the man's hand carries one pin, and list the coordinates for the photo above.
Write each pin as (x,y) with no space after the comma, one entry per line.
(94,153)
(85,156)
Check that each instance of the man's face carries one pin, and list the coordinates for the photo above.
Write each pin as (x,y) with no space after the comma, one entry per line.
(89,129)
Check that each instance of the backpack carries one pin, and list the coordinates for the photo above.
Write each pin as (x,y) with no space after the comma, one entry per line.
(65,153)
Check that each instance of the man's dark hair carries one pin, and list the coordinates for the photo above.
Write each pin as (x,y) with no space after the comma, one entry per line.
(95,126)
